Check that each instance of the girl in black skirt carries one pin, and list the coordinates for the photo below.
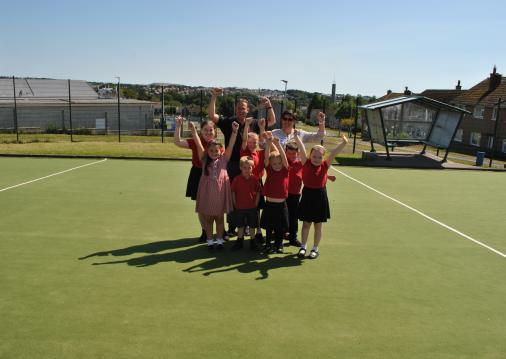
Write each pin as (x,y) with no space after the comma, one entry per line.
(275,214)
(207,133)
(314,204)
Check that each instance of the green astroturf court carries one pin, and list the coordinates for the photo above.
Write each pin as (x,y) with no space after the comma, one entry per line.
(102,261)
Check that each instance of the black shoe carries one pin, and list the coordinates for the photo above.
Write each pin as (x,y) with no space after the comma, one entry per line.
(219,246)
(294,242)
(259,238)
(238,244)
(302,253)
(210,247)
(267,249)
(279,250)
(229,234)
(253,246)
(203,236)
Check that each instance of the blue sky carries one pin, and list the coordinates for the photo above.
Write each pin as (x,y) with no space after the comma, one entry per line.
(369,46)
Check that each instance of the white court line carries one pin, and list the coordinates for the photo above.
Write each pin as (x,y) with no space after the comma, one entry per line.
(423,214)
(51,175)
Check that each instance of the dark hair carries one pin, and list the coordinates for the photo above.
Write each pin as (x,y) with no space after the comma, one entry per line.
(207,123)
(289,113)
(207,160)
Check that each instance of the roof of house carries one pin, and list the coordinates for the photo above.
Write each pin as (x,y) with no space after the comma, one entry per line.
(46,88)
(390,96)
(482,94)
(442,95)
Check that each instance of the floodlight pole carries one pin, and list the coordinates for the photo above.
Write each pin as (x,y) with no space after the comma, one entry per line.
(496,126)
(15,109)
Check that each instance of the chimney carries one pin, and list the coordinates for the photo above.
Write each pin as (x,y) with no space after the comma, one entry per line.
(458,87)
(389,92)
(495,80)
(406,91)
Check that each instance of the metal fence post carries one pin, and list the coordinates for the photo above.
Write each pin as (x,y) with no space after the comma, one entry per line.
(15,109)
(70,114)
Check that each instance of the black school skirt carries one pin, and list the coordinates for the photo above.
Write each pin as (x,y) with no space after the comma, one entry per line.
(192,186)
(275,216)
(314,205)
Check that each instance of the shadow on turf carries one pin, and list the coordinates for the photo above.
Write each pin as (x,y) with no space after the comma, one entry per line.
(218,261)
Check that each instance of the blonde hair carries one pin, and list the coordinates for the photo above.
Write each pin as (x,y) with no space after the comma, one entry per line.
(274,155)
(318,148)
(253,135)
(246,159)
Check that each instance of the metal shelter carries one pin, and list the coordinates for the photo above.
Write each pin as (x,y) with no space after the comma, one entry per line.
(412,119)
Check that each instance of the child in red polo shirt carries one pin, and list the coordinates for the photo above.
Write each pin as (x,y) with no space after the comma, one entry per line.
(245,195)
(314,204)
(294,187)
(275,213)
(250,148)
(207,134)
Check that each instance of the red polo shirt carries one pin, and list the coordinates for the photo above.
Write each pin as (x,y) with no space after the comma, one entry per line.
(276,185)
(195,156)
(245,190)
(314,176)
(295,176)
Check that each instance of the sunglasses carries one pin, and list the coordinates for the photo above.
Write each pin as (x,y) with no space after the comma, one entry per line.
(288,119)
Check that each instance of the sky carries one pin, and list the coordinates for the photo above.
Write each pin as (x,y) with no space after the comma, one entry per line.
(368,47)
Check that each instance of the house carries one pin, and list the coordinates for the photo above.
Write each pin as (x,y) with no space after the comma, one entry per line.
(476,131)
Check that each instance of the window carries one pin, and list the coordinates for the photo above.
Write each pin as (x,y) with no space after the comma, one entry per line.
(459,135)
(475,138)
(504,146)
(494,113)
(478,111)
(490,141)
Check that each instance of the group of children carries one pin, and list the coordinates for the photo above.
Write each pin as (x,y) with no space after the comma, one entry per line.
(280,199)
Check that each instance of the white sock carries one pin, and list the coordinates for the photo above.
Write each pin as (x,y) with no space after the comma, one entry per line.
(315,248)
(219,241)
(303,246)
(209,242)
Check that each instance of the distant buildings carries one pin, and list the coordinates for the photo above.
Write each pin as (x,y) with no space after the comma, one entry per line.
(44,104)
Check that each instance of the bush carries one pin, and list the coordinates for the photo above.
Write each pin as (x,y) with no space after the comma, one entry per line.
(52,128)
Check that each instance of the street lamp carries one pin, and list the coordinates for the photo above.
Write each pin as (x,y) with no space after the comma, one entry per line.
(284,99)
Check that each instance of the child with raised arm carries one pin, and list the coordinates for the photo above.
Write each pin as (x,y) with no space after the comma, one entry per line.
(314,204)
(250,148)
(245,195)
(275,213)
(207,134)
(294,187)
(214,197)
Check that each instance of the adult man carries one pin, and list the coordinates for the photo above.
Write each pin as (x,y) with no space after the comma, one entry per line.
(225,125)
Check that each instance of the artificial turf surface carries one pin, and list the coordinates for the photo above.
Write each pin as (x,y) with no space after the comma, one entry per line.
(103,262)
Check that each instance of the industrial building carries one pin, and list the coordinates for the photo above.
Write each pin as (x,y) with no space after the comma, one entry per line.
(43,105)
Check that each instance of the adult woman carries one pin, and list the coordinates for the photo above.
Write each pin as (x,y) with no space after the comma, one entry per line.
(286,132)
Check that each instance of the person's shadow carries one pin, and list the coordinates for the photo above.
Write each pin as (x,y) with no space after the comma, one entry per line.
(187,250)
